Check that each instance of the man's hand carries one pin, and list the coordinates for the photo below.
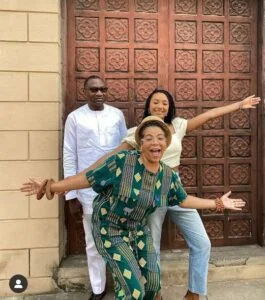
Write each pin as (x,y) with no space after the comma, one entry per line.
(76,209)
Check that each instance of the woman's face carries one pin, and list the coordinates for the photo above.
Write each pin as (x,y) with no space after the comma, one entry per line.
(154,144)
(159,105)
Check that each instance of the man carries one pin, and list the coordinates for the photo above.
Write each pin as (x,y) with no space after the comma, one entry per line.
(90,132)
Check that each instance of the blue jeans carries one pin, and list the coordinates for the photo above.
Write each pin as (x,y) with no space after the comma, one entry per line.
(190,224)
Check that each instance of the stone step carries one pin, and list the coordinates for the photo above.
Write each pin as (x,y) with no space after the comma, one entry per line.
(233,290)
(226,264)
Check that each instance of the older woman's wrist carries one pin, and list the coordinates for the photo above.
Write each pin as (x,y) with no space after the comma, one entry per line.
(48,190)
(219,205)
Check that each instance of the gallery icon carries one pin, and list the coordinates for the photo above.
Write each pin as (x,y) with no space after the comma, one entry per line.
(18,283)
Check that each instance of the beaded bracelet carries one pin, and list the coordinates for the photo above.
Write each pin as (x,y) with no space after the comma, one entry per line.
(42,189)
(45,188)
(219,205)
(48,192)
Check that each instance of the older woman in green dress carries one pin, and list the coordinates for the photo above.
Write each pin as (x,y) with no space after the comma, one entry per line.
(130,186)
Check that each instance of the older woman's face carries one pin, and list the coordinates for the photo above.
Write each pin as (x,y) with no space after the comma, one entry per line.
(154,143)
(159,105)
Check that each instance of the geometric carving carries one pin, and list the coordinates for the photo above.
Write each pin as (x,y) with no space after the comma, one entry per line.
(145,60)
(186,113)
(240,33)
(148,6)
(126,115)
(139,112)
(186,7)
(213,61)
(188,175)
(239,8)
(117,60)
(87,29)
(213,7)
(178,235)
(213,175)
(212,33)
(87,59)
(80,89)
(186,89)
(185,60)
(239,89)
(121,5)
(216,123)
(239,228)
(118,89)
(215,229)
(87,4)
(213,147)
(239,61)
(117,29)
(239,174)
(143,88)
(189,147)
(239,119)
(239,146)
(186,32)
(212,89)
(145,30)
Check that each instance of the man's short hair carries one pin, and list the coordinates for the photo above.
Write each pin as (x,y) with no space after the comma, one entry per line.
(91,77)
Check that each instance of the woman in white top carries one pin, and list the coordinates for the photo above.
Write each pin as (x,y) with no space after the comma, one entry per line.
(160,103)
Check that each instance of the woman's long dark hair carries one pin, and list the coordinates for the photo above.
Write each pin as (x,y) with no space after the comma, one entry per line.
(171,109)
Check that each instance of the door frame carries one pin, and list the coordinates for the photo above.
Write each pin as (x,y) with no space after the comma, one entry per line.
(261,125)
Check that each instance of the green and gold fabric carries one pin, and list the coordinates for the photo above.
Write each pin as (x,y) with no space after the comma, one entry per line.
(128,193)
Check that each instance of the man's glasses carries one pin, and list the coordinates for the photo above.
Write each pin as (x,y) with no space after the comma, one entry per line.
(103,89)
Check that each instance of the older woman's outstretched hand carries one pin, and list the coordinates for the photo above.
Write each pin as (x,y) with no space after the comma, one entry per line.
(234,204)
(32,186)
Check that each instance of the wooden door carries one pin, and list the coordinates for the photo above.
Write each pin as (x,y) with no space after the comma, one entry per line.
(202,51)
(213,50)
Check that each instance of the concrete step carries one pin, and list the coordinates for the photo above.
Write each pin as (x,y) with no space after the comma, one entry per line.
(233,290)
(226,264)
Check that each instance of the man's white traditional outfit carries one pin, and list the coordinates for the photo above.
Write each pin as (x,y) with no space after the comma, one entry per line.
(90,134)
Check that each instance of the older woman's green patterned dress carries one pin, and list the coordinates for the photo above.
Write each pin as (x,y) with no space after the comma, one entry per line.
(128,193)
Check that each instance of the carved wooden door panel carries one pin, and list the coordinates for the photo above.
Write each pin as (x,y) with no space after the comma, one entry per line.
(213,50)
(124,42)
(204,52)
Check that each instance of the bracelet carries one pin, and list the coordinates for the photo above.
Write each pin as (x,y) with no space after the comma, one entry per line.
(48,192)
(241,105)
(42,189)
(219,205)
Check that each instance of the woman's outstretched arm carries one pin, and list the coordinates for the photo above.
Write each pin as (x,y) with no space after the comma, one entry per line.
(76,182)
(249,102)
(200,203)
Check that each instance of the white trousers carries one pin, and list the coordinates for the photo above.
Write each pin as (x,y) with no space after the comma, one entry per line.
(95,262)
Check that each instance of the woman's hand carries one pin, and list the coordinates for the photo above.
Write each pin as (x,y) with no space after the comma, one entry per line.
(234,204)
(32,186)
(249,102)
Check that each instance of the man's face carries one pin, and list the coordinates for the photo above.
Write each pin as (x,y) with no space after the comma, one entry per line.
(95,91)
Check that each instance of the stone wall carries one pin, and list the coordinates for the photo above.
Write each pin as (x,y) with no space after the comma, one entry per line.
(30,109)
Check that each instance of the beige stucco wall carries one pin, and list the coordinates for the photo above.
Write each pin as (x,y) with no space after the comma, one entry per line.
(30,108)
